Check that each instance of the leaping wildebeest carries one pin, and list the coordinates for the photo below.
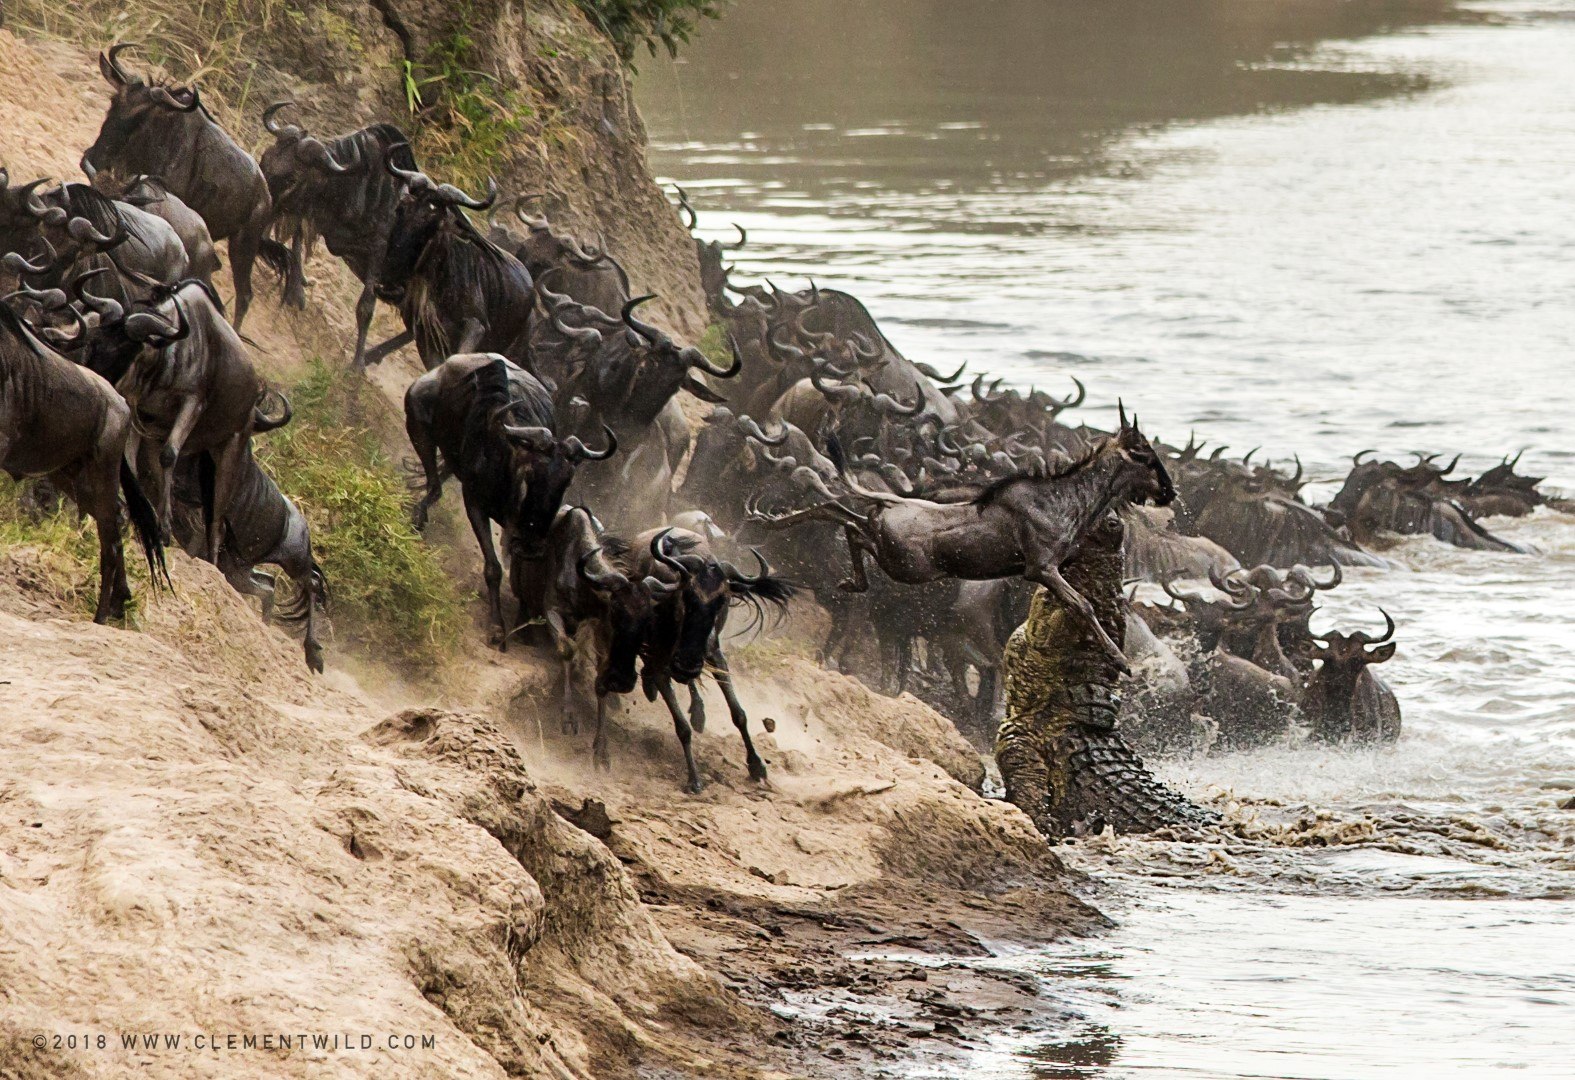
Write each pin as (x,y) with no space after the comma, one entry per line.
(1025,524)
(165,131)
(492,421)
(63,422)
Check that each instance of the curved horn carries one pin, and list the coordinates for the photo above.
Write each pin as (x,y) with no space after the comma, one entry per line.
(658,552)
(734,574)
(1072,403)
(16,264)
(743,238)
(108,310)
(787,351)
(1389,631)
(1296,481)
(1356,459)
(535,438)
(748,425)
(1450,467)
(611,579)
(49,215)
(409,176)
(839,393)
(83,232)
(583,334)
(48,299)
(150,328)
(109,63)
(644,329)
(59,339)
(580,452)
(699,360)
(684,207)
(276,129)
(1247,458)
(1121,411)
(452,195)
(163,96)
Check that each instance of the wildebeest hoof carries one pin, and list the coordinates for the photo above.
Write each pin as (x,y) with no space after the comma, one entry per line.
(314,656)
(695,786)
(757,771)
(769,723)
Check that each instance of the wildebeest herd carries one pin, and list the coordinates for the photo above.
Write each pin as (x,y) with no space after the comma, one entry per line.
(626,536)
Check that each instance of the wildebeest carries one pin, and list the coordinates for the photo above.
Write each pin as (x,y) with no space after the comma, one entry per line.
(1025,524)
(149,193)
(1344,699)
(587,579)
(1383,496)
(193,390)
(590,277)
(262,526)
(457,291)
(339,190)
(165,131)
(686,638)
(492,421)
(61,421)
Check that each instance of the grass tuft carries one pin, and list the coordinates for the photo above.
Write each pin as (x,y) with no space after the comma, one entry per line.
(389,588)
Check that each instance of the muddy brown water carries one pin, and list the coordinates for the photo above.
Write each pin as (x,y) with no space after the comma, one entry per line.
(1311,226)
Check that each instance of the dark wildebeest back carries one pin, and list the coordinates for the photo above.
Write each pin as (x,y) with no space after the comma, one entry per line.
(166,132)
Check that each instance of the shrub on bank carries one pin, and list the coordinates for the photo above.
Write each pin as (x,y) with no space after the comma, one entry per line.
(389,588)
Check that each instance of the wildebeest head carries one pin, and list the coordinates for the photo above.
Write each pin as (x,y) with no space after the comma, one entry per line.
(1149,478)
(426,209)
(294,150)
(636,368)
(121,337)
(629,606)
(707,587)
(136,104)
(1351,652)
(541,467)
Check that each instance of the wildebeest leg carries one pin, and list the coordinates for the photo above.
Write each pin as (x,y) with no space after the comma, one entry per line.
(96,490)
(393,344)
(365,306)
(244,246)
(858,580)
(563,641)
(492,570)
(418,426)
(685,735)
(1050,577)
(724,679)
(696,707)
(226,472)
(295,277)
(599,756)
(169,453)
(471,331)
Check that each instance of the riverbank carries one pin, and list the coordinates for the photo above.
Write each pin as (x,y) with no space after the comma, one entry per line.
(198,840)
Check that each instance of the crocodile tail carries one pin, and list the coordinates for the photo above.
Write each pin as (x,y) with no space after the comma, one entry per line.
(1106,784)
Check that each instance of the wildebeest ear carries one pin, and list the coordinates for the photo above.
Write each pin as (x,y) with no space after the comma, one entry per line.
(702,391)
(1380,654)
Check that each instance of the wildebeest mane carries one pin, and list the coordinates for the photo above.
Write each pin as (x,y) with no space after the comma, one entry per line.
(995,488)
(86,202)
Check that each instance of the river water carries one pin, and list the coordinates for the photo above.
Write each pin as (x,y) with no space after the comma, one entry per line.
(1312,226)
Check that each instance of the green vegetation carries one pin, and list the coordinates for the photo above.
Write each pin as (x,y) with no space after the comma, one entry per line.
(465,117)
(631,23)
(67,542)
(388,587)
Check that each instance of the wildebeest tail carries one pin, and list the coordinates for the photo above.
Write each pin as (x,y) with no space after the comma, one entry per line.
(276,255)
(262,421)
(146,522)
